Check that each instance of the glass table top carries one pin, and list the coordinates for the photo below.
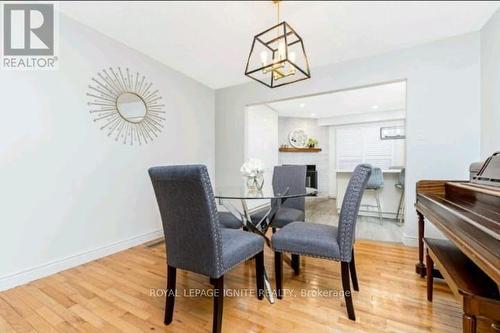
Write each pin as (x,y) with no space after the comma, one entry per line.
(267,192)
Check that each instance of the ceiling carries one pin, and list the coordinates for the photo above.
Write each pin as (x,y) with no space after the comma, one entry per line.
(210,41)
(378,98)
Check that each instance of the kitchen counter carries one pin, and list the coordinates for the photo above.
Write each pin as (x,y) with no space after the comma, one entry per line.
(383,171)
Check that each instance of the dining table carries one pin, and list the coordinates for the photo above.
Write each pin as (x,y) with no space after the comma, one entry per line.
(229,196)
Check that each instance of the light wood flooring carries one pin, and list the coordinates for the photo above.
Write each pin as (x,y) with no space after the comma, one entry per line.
(324,210)
(113,294)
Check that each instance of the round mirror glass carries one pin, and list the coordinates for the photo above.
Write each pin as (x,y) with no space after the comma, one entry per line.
(131,107)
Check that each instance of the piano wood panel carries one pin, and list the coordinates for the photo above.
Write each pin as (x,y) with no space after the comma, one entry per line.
(481,247)
(469,216)
(431,186)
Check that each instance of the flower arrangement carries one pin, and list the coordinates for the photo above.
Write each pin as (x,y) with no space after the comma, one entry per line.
(311,142)
(253,171)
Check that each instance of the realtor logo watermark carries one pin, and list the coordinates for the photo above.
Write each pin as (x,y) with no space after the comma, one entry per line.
(29,36)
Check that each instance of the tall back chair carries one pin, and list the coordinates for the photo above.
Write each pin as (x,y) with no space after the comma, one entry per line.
(350,208)
(193,237)
(292,177)
(375,184)
(326,241)
(189,216)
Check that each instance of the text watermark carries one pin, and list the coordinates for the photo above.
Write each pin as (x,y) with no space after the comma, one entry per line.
(231,292)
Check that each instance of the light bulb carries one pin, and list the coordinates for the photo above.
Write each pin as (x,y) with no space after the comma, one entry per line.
(263,57)
(281,51)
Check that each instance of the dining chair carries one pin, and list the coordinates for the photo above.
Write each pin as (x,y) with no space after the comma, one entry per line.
(194,238)
(325,241)
(376,184)
(228,220)
(290,178)
(401,206)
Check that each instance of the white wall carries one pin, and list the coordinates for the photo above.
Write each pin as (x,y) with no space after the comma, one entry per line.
(332,162)
(490,86)
(261,142)
(261,137)
(362,118)
(310,126)
(443,102)
(69,193)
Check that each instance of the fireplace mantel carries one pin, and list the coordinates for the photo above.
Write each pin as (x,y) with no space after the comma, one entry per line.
(299,150)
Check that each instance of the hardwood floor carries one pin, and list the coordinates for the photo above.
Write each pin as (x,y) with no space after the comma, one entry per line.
(323,210)
(114,294)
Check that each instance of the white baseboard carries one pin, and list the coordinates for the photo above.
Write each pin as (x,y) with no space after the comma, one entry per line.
(410,240)
(40,271)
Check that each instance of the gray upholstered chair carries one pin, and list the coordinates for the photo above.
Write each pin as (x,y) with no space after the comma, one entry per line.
(325,241)
(291,210)
(228,220)
(376,184)
(293,178)
(193,236)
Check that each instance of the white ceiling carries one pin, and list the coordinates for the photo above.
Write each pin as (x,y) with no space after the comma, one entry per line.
(210,41)
(384,97)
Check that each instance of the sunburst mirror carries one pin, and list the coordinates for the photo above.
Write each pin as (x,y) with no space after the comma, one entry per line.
(126,106)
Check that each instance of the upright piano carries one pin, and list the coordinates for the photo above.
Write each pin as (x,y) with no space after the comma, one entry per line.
(468,215)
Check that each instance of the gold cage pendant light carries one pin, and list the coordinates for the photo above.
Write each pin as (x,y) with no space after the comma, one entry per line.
(278,56)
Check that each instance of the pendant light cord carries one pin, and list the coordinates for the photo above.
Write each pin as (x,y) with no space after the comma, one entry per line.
(278,11)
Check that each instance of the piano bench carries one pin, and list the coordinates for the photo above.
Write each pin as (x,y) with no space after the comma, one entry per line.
(478,292)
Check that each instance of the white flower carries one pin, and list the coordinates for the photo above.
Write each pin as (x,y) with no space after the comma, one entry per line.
(252,168)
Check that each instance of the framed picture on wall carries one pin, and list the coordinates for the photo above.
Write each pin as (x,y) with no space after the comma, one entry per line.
(392,133)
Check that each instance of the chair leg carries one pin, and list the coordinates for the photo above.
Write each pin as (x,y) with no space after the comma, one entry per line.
(402,216)
(347,290)
(274,230)
(218,301)
(259,274)
(379,206)
(278,271)
(398,214)
(296,264)
(429,263)
(354,276)
(170,299)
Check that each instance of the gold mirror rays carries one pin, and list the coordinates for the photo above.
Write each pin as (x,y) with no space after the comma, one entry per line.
(126,106)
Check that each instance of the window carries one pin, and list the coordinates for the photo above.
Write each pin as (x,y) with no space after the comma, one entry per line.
(362,144)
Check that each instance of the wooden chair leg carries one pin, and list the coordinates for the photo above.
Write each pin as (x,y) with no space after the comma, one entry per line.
(296,264)
(278,271)
(354,276)
(259,274)
(430,279)
(218,301)
(344,266)
(170,299)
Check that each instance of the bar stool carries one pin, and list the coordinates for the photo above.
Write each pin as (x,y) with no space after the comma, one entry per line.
(375,184)
(401,207)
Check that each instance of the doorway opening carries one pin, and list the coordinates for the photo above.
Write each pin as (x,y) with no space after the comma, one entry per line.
(331,133)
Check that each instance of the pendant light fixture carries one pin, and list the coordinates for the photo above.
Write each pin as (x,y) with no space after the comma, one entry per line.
(277,56)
